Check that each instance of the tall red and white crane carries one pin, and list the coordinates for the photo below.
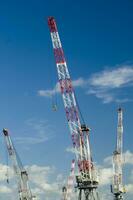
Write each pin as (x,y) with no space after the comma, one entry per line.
(24,192)
(117,187)
(87,180)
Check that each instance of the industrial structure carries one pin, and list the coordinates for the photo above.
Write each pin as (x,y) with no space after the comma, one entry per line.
(68,189)
(87,179)
(117,187)
(24,192)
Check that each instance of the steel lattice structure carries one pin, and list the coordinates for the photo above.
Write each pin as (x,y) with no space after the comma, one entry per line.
(87,181)
(117,187)
(24,192)
(68,189)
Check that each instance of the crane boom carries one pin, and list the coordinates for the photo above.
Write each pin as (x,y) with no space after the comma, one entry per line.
(117,186)
(120,131)
(70,182)
(24,191)
(69,99)
(79,132)
(67,190)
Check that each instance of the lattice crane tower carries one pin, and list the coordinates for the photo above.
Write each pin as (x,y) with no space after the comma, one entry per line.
(24,191)
(117,187)
(87,180)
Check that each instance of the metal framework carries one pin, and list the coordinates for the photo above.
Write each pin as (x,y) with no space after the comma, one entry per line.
(87,181)
(117,187)
(24,192)
(68,189)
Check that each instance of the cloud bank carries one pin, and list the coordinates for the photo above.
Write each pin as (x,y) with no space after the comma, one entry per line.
(107,85)
(46,182)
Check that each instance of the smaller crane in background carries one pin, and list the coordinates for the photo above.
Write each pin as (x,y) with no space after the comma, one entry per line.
(117,187)
(21,174)
(68,189)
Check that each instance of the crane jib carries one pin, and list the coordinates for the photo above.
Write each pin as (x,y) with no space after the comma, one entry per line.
(87,179)
(82,147)
(24,190)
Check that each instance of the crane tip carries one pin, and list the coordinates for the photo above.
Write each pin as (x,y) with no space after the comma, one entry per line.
(5,131)
(52,24)
(120,109)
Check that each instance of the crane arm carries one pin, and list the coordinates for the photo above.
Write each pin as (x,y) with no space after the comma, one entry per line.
(67,190)
(19,171)
(70,182)
(87,178)
(80,140)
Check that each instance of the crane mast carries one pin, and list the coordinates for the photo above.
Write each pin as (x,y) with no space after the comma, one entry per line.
(117,187)
(24,191)
(87,181)
(67,190)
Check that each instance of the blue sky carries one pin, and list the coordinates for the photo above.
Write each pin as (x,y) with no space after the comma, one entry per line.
(98,45)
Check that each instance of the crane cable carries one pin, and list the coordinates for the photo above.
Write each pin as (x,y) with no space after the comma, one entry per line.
(53,95)
(80,112)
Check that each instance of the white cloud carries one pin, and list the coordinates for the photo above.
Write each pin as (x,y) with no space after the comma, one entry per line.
(106,173)
(70,150)
(106,84)
(3,172)
(105,193)
(127,158)
(41,132)
(115,78)
(105,176)
(5,189)
(108,160)
(129,188)
(80,82)
(43,181)
(50,92)
(102,94)
(30,140)
(46,182)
